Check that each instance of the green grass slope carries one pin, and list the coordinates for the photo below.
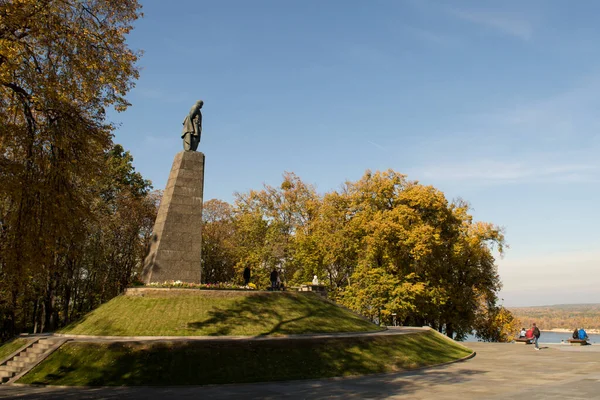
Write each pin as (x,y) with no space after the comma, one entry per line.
(217,313)
(200,363)
(6,349)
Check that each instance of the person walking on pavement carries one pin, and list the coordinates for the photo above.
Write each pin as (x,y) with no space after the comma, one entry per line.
(536,336)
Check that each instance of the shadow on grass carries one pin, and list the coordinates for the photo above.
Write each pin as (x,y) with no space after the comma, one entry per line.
(201,363)
(103,327)
(280,313)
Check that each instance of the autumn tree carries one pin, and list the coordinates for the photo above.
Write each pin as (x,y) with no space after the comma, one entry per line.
(408,251)
(62,63)
(383,245)
(268,224)
(330,249)
(495,323)
(218,246)
(119,228)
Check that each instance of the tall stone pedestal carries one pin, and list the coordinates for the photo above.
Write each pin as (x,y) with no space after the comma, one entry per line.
(176,248)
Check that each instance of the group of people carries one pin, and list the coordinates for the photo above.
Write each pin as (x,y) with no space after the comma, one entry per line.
(276,283)
(532,334)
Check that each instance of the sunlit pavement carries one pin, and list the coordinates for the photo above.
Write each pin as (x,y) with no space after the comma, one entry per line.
(499,371)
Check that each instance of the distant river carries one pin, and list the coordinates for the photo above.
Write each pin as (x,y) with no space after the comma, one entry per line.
(550,337)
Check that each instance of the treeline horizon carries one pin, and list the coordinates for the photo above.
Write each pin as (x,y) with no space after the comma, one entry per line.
(561,316)
(560,306)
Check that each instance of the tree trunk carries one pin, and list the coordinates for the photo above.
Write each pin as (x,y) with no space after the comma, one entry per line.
(49,301)
(449,330)
(34,315)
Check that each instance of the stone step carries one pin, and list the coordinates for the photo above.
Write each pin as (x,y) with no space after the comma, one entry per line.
(6,374)
(10,368)
(49,342)
(26,359)
(20,364)
(44,346)
(35,351)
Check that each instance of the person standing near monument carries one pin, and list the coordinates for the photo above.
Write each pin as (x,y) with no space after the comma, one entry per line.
(192,127)
(246,276)
(274,276)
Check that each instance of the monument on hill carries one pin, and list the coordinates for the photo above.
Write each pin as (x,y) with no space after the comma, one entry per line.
(176,246)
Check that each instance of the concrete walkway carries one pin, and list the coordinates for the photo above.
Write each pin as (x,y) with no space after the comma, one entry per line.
(392,330)
(499,371)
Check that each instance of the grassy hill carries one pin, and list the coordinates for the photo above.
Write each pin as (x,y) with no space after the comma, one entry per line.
(560,316)
(226,313)
(217,313)
(200,363)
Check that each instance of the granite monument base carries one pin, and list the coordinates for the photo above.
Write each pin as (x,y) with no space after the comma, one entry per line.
(176,247)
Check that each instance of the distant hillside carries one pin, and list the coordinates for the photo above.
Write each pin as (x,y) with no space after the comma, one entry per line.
(560,316)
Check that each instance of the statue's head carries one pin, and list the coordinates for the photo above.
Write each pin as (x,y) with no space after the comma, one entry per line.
(199,104)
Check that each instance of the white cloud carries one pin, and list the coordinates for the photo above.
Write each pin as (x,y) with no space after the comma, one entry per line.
(380,147)
(572,112)
(494,172)
(504,22)
(553,139)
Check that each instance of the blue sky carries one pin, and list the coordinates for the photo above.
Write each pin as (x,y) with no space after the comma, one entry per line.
(494,102)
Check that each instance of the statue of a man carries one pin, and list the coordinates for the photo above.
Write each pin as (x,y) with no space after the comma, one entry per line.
(192,127)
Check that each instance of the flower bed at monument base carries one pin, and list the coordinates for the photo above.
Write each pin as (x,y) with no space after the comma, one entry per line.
(207,286)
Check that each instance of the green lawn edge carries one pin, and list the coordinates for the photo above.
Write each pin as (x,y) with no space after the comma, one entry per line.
(201,363)
(218,313)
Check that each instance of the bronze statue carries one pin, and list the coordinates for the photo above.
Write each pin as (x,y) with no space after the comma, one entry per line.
(192,127)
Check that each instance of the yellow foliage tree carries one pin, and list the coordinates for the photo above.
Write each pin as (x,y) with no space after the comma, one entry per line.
(62,62)
(383,245)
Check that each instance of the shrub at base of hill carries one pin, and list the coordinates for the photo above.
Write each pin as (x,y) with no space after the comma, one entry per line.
(201,363)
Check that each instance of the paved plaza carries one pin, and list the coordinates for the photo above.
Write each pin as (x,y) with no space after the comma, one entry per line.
(498,371)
